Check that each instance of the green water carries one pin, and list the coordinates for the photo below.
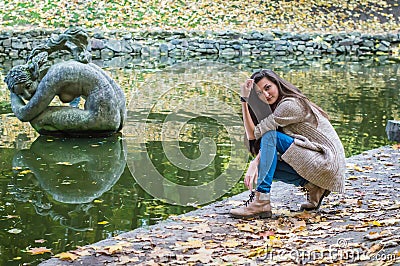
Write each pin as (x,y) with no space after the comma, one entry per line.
(60,194)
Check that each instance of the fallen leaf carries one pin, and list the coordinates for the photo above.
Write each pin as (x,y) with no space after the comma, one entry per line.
(192,243)
(257,252)
(25,172)
(231,243)
(201,229)
(66,256)
(103,222)
(191,219)
(247,227)
(39,251)
(64,163)
(374,248)
(14,231)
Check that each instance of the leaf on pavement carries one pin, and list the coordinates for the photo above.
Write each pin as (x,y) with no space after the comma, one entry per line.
(230,243)
(66,256)
(201,229)
(247,227)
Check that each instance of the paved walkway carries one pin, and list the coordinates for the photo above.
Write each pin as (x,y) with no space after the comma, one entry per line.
(361,227)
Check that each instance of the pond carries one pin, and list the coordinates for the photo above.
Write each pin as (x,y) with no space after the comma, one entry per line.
(183,128)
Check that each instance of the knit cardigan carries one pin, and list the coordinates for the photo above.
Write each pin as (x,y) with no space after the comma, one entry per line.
(317,153)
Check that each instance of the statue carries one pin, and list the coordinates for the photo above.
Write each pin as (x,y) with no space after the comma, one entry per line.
(34,85)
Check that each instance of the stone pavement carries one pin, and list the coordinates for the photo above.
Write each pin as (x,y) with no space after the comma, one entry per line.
(359,227)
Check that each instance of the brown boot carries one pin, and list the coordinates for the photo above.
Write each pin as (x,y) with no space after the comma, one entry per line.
(315,196)
(254,207)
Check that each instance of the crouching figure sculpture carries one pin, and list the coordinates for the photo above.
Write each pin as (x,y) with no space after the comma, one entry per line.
(34,85)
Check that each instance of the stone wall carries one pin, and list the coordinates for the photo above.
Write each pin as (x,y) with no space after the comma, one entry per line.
(105,45)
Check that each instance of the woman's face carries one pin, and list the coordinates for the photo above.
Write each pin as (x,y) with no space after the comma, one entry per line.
(267,91)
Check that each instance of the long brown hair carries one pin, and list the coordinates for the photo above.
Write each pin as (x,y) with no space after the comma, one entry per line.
(286,89)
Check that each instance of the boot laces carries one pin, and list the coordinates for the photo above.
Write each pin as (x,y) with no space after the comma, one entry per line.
(251,198)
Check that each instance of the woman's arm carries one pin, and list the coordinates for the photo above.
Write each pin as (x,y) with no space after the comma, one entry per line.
(245,89)
(289,111)
(247,121)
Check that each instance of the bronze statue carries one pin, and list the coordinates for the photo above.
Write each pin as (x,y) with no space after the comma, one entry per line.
(34,85)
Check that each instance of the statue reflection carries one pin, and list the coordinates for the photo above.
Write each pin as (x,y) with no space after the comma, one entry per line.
(73,171)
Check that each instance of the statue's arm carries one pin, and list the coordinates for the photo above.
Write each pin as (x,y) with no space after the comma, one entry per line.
(37,104)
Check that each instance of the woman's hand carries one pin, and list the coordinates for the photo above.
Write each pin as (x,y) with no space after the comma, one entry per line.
(245,88)
(251,174)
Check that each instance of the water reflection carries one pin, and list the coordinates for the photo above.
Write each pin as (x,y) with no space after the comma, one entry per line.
(74,172)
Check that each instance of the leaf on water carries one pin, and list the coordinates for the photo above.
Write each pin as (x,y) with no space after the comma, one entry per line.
(39,251)
(14,231)
(25,172)
(11,216)
(64,163)
(66,256)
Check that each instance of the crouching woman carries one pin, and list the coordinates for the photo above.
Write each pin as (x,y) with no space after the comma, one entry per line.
(298,146)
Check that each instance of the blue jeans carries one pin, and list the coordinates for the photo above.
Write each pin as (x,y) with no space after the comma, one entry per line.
(270,168)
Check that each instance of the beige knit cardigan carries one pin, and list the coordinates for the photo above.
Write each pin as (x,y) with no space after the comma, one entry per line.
(317,153)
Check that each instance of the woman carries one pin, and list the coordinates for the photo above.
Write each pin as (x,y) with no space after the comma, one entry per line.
(311,154)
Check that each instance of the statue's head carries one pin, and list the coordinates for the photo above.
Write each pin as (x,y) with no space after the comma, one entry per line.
(21,80)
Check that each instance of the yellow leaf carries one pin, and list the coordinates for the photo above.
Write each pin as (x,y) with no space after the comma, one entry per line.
(257,252)
(352,177)
(64,163)
(375,223)
(25,172)
(358,168)
(191,219)
(66,256)
(231,243)
(193,243)
(39,251)
(246,227)
(98,201)
(103,222)
(115,249)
